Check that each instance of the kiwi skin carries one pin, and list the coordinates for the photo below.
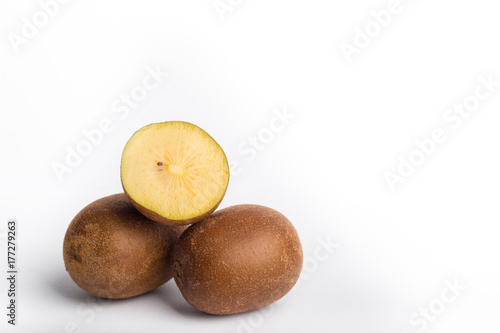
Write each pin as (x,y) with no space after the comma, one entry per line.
(112,251)
(238,259)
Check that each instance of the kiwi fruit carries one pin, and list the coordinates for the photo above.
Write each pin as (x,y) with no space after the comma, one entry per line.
(238,259)
(174,172)
(113,251)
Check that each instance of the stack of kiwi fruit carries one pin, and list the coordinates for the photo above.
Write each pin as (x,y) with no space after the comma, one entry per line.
(165,224)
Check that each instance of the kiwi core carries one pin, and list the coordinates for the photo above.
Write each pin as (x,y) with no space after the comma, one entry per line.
(176,170)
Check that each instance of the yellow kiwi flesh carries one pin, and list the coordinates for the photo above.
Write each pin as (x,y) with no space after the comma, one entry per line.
(174,172)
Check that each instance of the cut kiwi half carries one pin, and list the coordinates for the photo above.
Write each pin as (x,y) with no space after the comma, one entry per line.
(174,172)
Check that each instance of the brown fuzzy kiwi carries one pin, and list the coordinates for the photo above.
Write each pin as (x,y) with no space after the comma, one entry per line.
(238,259)
(113,251)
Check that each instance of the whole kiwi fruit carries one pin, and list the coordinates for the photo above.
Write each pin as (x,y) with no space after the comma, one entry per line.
(113,251)
(238,259)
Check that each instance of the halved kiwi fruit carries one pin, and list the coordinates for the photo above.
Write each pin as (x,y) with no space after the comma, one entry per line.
(174,172)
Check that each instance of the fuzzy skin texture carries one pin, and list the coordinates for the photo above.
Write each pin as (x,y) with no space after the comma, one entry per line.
(239,259)
(112,251)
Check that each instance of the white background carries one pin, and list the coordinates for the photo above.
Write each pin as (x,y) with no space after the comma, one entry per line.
(324,170)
